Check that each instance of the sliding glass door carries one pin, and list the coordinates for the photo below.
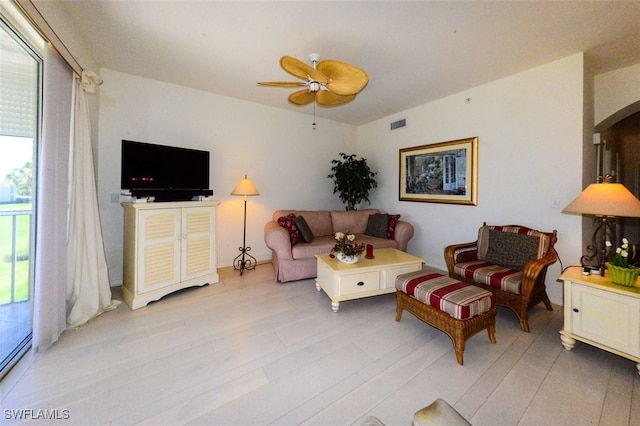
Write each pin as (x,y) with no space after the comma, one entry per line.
(20,70)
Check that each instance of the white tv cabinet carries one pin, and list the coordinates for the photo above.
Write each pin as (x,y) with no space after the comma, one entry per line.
(168,247)
(602,314)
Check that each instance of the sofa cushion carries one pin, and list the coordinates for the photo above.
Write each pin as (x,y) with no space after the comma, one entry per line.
(377,225)
(376,242)
(303,227)
(287,222)
(489,237)
(321,244)
(319,221)
(391,226)
(506,279)
(351,221)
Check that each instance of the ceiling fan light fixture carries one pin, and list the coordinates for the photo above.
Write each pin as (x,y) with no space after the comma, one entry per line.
(314,58)
(335,82)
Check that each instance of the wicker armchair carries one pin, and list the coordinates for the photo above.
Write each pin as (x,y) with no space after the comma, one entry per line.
(519,290)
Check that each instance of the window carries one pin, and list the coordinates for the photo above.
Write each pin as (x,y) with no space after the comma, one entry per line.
(20,95)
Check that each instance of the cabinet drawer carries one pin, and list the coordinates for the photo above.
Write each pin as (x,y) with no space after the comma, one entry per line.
(359,283)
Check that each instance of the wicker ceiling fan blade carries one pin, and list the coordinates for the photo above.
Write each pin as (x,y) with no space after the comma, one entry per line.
(281,83)
(344,79)
(329,99)
(302,97)
(301,70)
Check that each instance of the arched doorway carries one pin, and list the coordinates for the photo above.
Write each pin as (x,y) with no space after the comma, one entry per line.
(620,157)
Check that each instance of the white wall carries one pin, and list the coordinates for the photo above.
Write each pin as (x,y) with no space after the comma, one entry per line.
(287,160)
(530,130)
(616,90)
(529,125)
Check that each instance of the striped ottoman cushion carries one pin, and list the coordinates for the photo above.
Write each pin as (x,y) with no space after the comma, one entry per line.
(460,300)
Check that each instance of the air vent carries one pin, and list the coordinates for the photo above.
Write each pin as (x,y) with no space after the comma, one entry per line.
(398,124)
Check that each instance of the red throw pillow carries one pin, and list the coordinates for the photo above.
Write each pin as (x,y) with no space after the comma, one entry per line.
(288,223)
(391,227)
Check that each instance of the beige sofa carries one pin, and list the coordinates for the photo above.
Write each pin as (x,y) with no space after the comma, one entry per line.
(297,261)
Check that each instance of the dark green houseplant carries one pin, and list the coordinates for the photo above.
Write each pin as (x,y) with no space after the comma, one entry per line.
(353,180)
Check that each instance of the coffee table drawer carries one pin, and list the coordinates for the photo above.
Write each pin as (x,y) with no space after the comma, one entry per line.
(359,283)
(389,275)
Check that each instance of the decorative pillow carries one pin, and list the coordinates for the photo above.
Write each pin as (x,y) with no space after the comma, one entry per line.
(391,226)
(302,226)
(511,250)
(377,225)
(287,222)
(483,238)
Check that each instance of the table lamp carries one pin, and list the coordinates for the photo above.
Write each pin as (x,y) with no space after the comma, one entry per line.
(244,261)
(605,201)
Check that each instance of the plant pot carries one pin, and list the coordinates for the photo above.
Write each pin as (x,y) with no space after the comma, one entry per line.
(347,259)
(622,276)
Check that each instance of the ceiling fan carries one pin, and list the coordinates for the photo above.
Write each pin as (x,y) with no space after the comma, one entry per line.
(328,82)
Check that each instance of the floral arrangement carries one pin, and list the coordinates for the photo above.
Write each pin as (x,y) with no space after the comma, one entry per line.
(621,258)
(346,244)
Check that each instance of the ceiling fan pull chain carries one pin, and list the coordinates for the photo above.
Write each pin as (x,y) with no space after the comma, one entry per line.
(313,126)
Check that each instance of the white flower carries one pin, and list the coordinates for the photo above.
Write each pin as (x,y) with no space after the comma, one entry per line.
(624,253)
(351,237)
(339,235)
(608,243)
(618,250)
(625,241)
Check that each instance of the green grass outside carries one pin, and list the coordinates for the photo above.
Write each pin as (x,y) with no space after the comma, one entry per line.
(22,251)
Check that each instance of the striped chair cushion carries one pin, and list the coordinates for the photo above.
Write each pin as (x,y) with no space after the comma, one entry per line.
(460,300)
(506,279)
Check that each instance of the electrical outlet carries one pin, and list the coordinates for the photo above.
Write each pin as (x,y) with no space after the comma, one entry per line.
(115,198)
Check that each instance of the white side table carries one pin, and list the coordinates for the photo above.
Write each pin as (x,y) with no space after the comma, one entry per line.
(601,313)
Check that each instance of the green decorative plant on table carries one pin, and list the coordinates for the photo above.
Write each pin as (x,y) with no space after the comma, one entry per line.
(353,180)
(346,248)
(620,270)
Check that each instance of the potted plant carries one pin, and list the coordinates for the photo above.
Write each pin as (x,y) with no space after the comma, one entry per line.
(620,270)
(353,180)
(346,248)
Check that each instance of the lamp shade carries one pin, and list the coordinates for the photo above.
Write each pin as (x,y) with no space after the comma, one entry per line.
(605,199)
(245,187)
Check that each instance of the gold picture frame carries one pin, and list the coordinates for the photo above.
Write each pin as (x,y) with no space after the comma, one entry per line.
(445,172)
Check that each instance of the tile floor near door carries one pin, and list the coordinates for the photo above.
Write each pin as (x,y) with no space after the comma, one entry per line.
(249,351)
(15,326)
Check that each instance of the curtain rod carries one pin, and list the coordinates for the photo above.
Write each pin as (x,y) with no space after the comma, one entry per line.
(32,12)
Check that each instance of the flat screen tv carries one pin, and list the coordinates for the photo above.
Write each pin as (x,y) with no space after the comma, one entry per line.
(167,173)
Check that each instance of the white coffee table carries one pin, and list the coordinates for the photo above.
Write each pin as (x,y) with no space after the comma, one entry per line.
(368,277)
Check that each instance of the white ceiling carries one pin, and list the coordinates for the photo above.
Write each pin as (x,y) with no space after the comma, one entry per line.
(414,52)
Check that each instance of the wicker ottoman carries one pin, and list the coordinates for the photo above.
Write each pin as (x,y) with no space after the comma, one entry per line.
(456,308)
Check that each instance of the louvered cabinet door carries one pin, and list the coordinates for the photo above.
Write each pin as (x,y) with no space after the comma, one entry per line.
(168,246)
(158,249)
(198,242)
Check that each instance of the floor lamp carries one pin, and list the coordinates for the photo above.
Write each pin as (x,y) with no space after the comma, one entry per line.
(244,261)
(605,201)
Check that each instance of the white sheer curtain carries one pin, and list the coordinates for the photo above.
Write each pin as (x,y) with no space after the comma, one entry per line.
(49,316)
(88,290)
(71,281)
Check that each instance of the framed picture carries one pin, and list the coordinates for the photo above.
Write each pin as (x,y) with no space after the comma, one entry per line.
(445,172)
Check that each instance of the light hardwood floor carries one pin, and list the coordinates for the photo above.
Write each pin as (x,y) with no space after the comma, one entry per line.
(249,351)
